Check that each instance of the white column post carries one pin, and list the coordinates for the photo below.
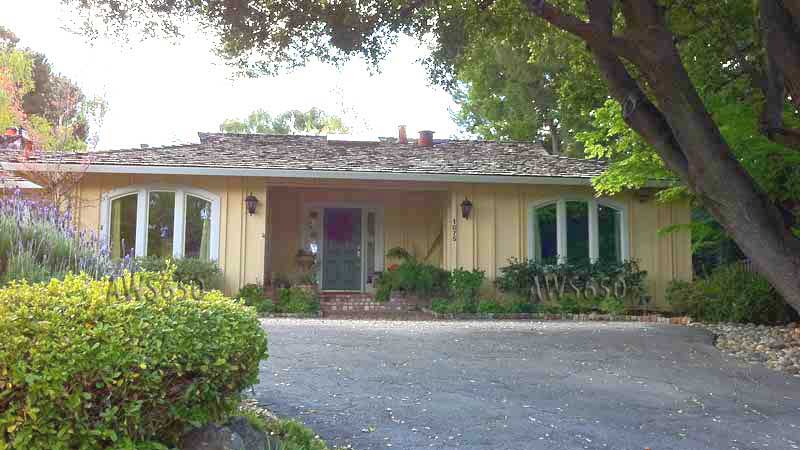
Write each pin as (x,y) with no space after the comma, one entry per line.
(178,224)
(594,240)
(561,230)
(142,209)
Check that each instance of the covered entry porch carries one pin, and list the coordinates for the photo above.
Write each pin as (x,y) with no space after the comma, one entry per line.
(336,234)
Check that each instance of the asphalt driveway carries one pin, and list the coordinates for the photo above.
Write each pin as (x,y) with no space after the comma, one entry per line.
(519,386)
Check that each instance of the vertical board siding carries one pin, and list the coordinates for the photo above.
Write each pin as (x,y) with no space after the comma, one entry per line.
(499,231)
(496,232)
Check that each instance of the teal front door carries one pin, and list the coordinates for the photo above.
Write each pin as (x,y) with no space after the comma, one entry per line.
(341,261)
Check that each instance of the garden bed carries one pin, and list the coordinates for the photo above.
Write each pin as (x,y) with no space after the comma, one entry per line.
(649,318)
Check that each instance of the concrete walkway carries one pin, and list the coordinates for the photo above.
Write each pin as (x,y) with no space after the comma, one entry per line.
(519,386)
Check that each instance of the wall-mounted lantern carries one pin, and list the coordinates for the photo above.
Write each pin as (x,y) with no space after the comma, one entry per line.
(251,201)
(466,208)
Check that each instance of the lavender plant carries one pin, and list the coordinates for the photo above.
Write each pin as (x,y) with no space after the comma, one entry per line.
(39,242)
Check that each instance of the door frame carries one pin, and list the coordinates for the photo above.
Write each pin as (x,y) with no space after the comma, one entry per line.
(365,208)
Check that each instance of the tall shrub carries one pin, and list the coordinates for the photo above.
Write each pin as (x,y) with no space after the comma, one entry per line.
(729,294)
(38,242)
(131,363)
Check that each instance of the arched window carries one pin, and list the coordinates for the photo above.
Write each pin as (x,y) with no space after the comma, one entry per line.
(162,221)
(577,230)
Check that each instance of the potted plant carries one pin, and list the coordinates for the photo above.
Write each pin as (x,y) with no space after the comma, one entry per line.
(305,259)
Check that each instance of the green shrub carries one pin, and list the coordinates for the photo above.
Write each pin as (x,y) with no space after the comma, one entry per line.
(519,276)
(203,272)
(412,277)
(569,304)
(83,365)
(613,306)
(491,306)
(729,294)
(465,286)
(517,304)
(453,306)
(253,295)
(296,301)
(293,435)
(39,242)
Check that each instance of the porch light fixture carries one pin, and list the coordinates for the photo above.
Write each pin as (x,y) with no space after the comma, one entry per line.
(466,208)
(251,201)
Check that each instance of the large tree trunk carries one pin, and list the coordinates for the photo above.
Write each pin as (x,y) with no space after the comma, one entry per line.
(714,174)
(682,131)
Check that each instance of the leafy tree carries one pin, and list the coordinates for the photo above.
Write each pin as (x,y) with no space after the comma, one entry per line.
(51,106)
(314,121)
(639,48)
(53,110)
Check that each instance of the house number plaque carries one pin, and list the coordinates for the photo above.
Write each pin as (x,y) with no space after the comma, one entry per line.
(455,230)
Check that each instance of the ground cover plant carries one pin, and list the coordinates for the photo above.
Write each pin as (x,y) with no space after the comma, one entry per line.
(130,363)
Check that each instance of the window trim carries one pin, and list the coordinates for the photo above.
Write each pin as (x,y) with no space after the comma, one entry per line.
(178,221)
(561,225)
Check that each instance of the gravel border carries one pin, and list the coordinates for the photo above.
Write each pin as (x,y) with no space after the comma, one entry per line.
(776,347)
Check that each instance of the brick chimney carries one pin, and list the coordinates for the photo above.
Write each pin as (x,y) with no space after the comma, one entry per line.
(16,139)
(425,138)
(402,138)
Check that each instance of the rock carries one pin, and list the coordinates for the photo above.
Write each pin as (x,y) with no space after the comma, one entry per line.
(253,438)
(237,434)
(212,437)
(775,347)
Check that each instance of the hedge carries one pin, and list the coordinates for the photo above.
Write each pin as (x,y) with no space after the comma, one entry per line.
(87,364)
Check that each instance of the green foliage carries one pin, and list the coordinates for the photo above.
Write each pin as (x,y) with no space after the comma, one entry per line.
(491,305)
(519,276)
(612,305)
(411,277)
(205,273)
(399,253)
(465,286)
(296,301)
(293,435)
(39,242)
(52,107)
(729,294)
(314,121)
(253,295)
(82,365)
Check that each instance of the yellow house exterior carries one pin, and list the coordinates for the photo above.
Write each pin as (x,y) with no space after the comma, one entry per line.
(420,211)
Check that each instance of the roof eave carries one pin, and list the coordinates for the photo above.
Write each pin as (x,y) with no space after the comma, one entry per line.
(310,173)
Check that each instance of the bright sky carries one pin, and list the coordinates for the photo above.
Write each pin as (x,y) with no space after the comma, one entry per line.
(161,92)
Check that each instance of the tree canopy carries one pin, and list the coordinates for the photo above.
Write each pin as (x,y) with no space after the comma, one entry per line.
(673,67)
(54,109)
(314,121)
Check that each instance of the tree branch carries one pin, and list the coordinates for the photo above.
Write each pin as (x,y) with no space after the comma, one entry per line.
(785,136)
(783,71)
(599,36)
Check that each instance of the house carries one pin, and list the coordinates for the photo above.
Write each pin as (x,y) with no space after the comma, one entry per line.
(13,143)
(254,202)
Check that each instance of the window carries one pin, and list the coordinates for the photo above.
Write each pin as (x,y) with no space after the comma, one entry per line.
(197,237)
(609,223)
(123,226)
(162,222)
(544,234)
(577,230)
